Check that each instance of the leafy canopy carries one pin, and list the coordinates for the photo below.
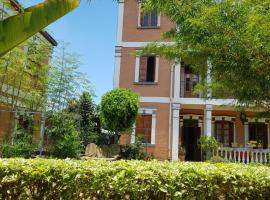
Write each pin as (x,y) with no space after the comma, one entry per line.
(119,109)
(232,34)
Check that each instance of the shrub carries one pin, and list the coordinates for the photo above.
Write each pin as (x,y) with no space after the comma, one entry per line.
(70,179)
(209,146)
(133,151)
(64,139)
(217,159)
(21,147)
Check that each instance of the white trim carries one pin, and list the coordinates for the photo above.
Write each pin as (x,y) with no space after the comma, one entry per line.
(137,69)
(156,69)
(141,44)
(177,80)
(117,67)
(201,101)
(260,120)
(191,116)
(154,100)
(208,120)
(120,21)
(226,118)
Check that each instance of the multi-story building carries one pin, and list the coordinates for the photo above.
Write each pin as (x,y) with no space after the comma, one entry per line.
(171,114)
(23,82)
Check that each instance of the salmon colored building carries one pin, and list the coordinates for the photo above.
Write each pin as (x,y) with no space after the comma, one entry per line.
(171,115)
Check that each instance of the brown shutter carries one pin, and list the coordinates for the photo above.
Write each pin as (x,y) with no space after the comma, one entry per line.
(143,69)
(144,127)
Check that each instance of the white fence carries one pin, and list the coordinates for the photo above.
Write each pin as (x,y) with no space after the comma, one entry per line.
(245,155)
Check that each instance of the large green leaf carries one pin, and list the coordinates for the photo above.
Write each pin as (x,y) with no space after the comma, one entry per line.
(16,29)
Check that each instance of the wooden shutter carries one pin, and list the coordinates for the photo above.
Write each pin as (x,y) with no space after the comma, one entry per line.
(144,127)
(143,69)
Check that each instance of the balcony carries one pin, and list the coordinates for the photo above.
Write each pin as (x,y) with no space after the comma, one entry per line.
(245,155)
(187,89)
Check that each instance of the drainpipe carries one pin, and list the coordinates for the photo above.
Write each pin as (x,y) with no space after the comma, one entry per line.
(170,113)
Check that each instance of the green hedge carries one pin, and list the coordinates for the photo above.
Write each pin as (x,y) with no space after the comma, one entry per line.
(68,179)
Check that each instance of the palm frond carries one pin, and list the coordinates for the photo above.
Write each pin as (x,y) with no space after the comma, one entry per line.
(16,29)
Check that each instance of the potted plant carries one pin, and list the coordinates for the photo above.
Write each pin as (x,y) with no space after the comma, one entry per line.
(209,146)
(252,144)
(182,153)
(259,145)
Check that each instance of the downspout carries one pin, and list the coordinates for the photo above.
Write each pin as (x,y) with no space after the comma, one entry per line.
(170,112)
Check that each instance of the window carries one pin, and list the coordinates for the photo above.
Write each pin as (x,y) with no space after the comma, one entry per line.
(224,132)
(149,20)
(258,133)
(147,69)
(144,127)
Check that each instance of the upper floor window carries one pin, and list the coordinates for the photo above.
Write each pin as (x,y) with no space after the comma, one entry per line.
(149,20)
(146,69)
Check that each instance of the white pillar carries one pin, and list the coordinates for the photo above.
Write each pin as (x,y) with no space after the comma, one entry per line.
(120,21)
(208,120)
(117,65)
(246,129)
(177,81)
(209,79)
(153,131)
(175,131)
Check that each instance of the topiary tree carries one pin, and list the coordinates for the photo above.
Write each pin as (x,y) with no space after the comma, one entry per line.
(118,110)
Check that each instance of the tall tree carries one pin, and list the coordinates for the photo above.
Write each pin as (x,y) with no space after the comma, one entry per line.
(88,124)
(16,29)
(65,81)
(231,35)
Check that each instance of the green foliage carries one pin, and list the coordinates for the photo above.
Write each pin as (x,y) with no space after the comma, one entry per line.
(21,147)
(88,119)
(16,29)
(233,35)
(69,179)
(64,139)
(217,159)
(209,145)
(133,151)
(65,80)
(119,109)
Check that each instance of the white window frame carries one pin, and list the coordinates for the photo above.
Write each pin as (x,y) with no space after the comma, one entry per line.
(139,19)
(137,70)
(152,112)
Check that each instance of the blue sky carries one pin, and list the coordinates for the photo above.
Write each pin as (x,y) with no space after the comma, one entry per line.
(91,31)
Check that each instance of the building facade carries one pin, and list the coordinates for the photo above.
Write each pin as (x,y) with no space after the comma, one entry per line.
(22,83)
(171,114)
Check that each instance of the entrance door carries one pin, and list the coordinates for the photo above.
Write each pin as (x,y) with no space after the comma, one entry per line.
(191,135)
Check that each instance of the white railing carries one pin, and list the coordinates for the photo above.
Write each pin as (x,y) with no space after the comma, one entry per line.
(245,155)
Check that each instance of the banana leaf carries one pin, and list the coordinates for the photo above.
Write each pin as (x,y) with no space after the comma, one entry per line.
(18,28)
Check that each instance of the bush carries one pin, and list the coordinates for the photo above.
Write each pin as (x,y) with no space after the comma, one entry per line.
(64,139)
(133,151)
(70,179)
(22,147)
(217,159)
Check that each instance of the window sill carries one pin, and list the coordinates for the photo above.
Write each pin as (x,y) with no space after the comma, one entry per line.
(148,27)
(145,83)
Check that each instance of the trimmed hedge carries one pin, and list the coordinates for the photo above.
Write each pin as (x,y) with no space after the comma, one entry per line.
(69,179)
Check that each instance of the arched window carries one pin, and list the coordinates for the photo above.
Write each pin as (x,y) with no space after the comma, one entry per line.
(224,132)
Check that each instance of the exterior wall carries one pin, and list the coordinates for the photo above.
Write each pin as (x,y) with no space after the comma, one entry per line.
(161,147)
(127,76)
(132,33)
(4,122)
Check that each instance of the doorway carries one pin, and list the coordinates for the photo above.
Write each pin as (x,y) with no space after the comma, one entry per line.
(190,137)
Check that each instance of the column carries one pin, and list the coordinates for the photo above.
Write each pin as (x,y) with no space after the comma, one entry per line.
(208,120)
(175,130)
(177,81)
(209,79)
(117,64)
(246,132)
(153,131)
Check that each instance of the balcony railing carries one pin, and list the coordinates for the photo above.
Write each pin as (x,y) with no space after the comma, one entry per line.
(245,155)
(187,89)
